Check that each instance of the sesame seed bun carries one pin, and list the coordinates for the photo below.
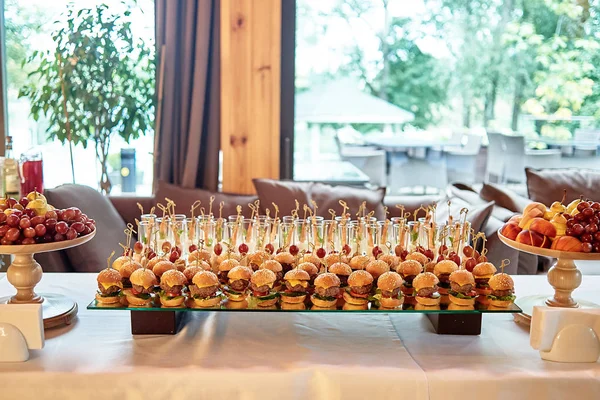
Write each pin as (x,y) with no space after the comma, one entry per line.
(377,267)
(311,258)
(421,258)
(309,267)
(202,255)
(240,272)
(119,261)
(339,268)
(154,261)
(359,262)
(462,277)
(297,274)
(501,282)
(205,279)
(484,270)
(391,260)
(258,257)
(228,264)
(272,265)
(425,280)
(263,277)
(190,271)
(162,266)
(360,278)
(143,277)
(173,277)
(109,275)
(389,281)
(333,258)
(409,267)
(324,304)
(326,281)
(284,258)
(445,267)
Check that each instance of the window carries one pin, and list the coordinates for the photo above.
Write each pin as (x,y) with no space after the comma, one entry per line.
(387,92)
(29,27)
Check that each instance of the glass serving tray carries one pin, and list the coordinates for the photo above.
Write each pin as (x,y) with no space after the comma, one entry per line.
(250,306)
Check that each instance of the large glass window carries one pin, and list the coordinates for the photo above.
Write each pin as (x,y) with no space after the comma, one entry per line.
(30,29)
(390,91)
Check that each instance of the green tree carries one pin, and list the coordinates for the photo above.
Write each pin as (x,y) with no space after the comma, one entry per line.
(97,83)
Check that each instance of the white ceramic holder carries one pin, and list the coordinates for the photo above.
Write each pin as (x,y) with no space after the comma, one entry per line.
(566,334)
(24,273)
(21,329)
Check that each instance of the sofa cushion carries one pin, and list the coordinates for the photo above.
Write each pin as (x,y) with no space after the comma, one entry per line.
(284,194)
(503,197)
(184,198)
(547,185)
(91,256)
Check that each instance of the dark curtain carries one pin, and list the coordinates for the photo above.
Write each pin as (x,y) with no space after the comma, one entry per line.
(187,138)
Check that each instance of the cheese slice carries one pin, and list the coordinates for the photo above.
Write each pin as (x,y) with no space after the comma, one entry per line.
(107,285)
(295,282)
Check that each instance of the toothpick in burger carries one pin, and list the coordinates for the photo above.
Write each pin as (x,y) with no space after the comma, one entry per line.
(425,285)
(388,292)
(503,289)
(109,286)
(461,289)
(327,289)
(360,283)
(442,270)
(172,283)
(238,282)
(296,285)
(204,289)
(277,268)
(143,282)
(482,273)
(262,282)
(408,270)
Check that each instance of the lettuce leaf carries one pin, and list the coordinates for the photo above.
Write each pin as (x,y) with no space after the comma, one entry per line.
(164,294)
(460,295)
(293,294)
(269,296)
(510,297)
(325,298)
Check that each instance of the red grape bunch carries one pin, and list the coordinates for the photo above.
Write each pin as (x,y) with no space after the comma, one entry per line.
(585,225)
(22,225)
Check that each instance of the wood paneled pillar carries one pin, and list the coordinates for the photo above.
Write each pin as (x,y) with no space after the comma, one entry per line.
(250,91)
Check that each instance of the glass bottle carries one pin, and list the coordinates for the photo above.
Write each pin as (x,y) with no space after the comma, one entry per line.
(11,171)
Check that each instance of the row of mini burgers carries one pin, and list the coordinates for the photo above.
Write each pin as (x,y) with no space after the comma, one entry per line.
(335,286)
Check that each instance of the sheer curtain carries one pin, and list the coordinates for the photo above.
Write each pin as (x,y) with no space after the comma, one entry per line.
(187,136)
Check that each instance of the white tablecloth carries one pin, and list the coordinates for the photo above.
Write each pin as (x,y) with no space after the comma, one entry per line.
(311,356)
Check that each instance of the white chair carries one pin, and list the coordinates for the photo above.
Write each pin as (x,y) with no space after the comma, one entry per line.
(516,158)
(368,159)
(461,163)
(495,157)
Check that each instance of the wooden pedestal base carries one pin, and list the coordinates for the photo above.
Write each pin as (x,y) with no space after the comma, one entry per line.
(456,324)
(155,322)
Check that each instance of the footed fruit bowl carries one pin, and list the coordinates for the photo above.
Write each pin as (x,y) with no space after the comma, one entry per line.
(25,272)
(564,277)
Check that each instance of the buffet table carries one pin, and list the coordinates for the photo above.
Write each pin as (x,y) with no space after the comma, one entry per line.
(312,356)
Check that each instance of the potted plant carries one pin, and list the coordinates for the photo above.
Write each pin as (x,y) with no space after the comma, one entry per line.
(97,83)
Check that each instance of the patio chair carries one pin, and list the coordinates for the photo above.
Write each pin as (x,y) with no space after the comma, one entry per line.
(461,163)
(517,157)
(368,159)
(495,157)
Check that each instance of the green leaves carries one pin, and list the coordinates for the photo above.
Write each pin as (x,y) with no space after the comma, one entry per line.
(99,81)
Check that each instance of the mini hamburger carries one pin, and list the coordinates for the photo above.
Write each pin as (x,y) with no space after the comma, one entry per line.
(327,289)
(204,289)
(286,260)
(155,260)
(224,268)
(311,269)
(391,260)
(408,270)
(143,281)
(172,283)
(359,262)
(360,283)
(333,258)
(503,289)
(161,267)
(296,284)
(255,259)
(482,274)
(420,257)
(425,285)
(199,255)
(277,268)
(314,259)
(376,268)
(461,288)
(119,261)
(237,284)
(442,270)
(388,289)
(109,286)
(190,271)
(126,270)
(216,260)
(342,271)
(262,282)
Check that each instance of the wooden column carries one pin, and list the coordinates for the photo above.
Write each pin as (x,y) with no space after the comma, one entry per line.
(250,91)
